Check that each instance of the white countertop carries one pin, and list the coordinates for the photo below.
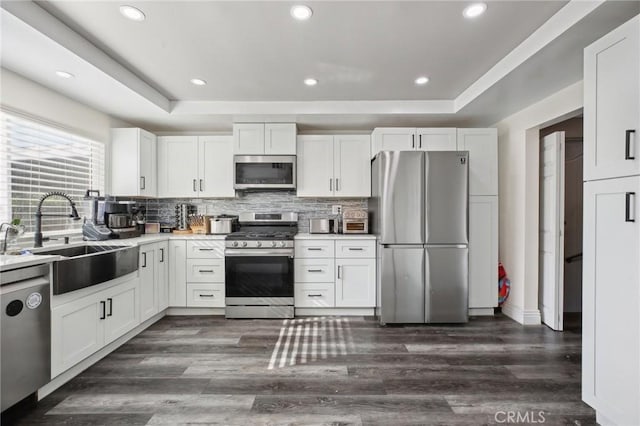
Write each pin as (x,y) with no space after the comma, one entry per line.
(9,262)
(305,236)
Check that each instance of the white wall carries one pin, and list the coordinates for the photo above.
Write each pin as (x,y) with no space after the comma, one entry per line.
(23,95)
(518,152)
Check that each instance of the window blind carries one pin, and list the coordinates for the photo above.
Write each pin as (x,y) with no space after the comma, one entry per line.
(35,159)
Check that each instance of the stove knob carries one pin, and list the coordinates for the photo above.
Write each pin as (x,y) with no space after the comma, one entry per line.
(258,244)
(235,244)
(244,244)
(273,243)
(282,244)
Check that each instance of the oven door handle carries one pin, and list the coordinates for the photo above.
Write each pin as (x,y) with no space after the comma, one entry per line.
(258,252)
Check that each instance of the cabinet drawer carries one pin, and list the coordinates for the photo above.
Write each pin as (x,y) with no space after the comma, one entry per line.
(205,295)
(205,270)
(314,270)
(205,249)
(314,248)
(314,295)
(356,248)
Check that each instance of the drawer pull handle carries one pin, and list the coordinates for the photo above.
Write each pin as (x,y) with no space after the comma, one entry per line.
(206,295)
(356,248)
(205,249)
(314,270)
(627,207)
(210,271)
(627,145)
(314,248)
(314,295)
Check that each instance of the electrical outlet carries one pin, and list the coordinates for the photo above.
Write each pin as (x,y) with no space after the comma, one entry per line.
(336,209)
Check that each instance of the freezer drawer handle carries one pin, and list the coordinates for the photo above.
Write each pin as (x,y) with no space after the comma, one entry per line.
(314,295)
(627,207)
(314,270)
(356,248)
(627,145)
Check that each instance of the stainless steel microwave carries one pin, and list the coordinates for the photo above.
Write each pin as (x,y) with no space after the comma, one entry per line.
(264,171)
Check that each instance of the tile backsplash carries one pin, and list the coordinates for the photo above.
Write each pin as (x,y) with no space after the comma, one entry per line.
(163,210)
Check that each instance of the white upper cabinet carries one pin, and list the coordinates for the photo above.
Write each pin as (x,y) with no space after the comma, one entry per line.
(436,139)
(315,166)
(482,145)
(215,167)
(334,166)
(352,165)
(612,104)
(195,166)
(264,138)
(133,163)
(393,139)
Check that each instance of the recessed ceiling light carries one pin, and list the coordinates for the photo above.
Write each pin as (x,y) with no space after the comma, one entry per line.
(64,74)
(422,80)
(474,10)
(132,13)
(198,82)
(301,12)
(310,81)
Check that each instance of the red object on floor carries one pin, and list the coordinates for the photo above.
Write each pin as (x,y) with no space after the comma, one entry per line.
(504,284)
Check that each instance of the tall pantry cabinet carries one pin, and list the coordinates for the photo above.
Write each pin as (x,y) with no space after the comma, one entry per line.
(611,275)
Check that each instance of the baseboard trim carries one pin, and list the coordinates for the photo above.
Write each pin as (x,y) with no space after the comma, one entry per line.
(481,312)
(524,317)
(305,312)
(195,311)
(72,372)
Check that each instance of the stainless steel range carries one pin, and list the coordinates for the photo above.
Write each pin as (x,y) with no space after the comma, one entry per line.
(259,266)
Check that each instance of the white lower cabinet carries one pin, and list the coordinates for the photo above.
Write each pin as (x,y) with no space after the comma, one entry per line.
(83,326)
(611,299)
(177,273)
(148,293)
(355,283)
(483,252)
(162,274)
(338,272)
(205,295)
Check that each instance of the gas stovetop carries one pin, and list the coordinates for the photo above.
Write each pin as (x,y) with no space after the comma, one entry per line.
(264,231)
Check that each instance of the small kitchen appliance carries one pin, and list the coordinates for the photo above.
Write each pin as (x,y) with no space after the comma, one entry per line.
(259,266)
(264,172)
(118,216)
(320,226)
(355,221)
(223,224)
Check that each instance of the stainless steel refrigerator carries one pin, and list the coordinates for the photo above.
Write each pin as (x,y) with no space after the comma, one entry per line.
(419,212)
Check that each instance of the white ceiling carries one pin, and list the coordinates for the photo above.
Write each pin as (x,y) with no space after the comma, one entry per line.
(254,57)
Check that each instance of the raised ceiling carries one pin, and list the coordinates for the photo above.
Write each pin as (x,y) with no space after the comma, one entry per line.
(254,57)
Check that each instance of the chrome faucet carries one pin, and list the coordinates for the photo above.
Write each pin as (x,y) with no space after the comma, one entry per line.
(74,214)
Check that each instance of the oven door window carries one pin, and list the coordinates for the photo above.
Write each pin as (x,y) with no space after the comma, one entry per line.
(264,173)
(259,276)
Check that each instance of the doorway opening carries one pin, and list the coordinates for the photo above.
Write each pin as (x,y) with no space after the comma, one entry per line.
(561,209)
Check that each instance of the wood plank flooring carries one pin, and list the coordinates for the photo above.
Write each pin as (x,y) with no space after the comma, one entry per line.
(208,370)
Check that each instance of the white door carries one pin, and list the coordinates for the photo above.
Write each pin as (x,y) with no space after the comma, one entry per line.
(482,145)
(352,165)
(612,104)
(248,138)
(148,293)
(280,138)
(436,139)
(611,298)
(393,139)
(551,289)
(355,283)
(77,331)
(483,251)
(147,159)
(215,167)
(121,310)
(177,166)
(315,166)
(162,255)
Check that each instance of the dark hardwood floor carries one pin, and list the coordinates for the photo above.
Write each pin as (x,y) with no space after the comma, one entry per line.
(208,370)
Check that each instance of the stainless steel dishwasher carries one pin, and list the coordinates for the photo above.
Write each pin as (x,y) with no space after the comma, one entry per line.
(25,332)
